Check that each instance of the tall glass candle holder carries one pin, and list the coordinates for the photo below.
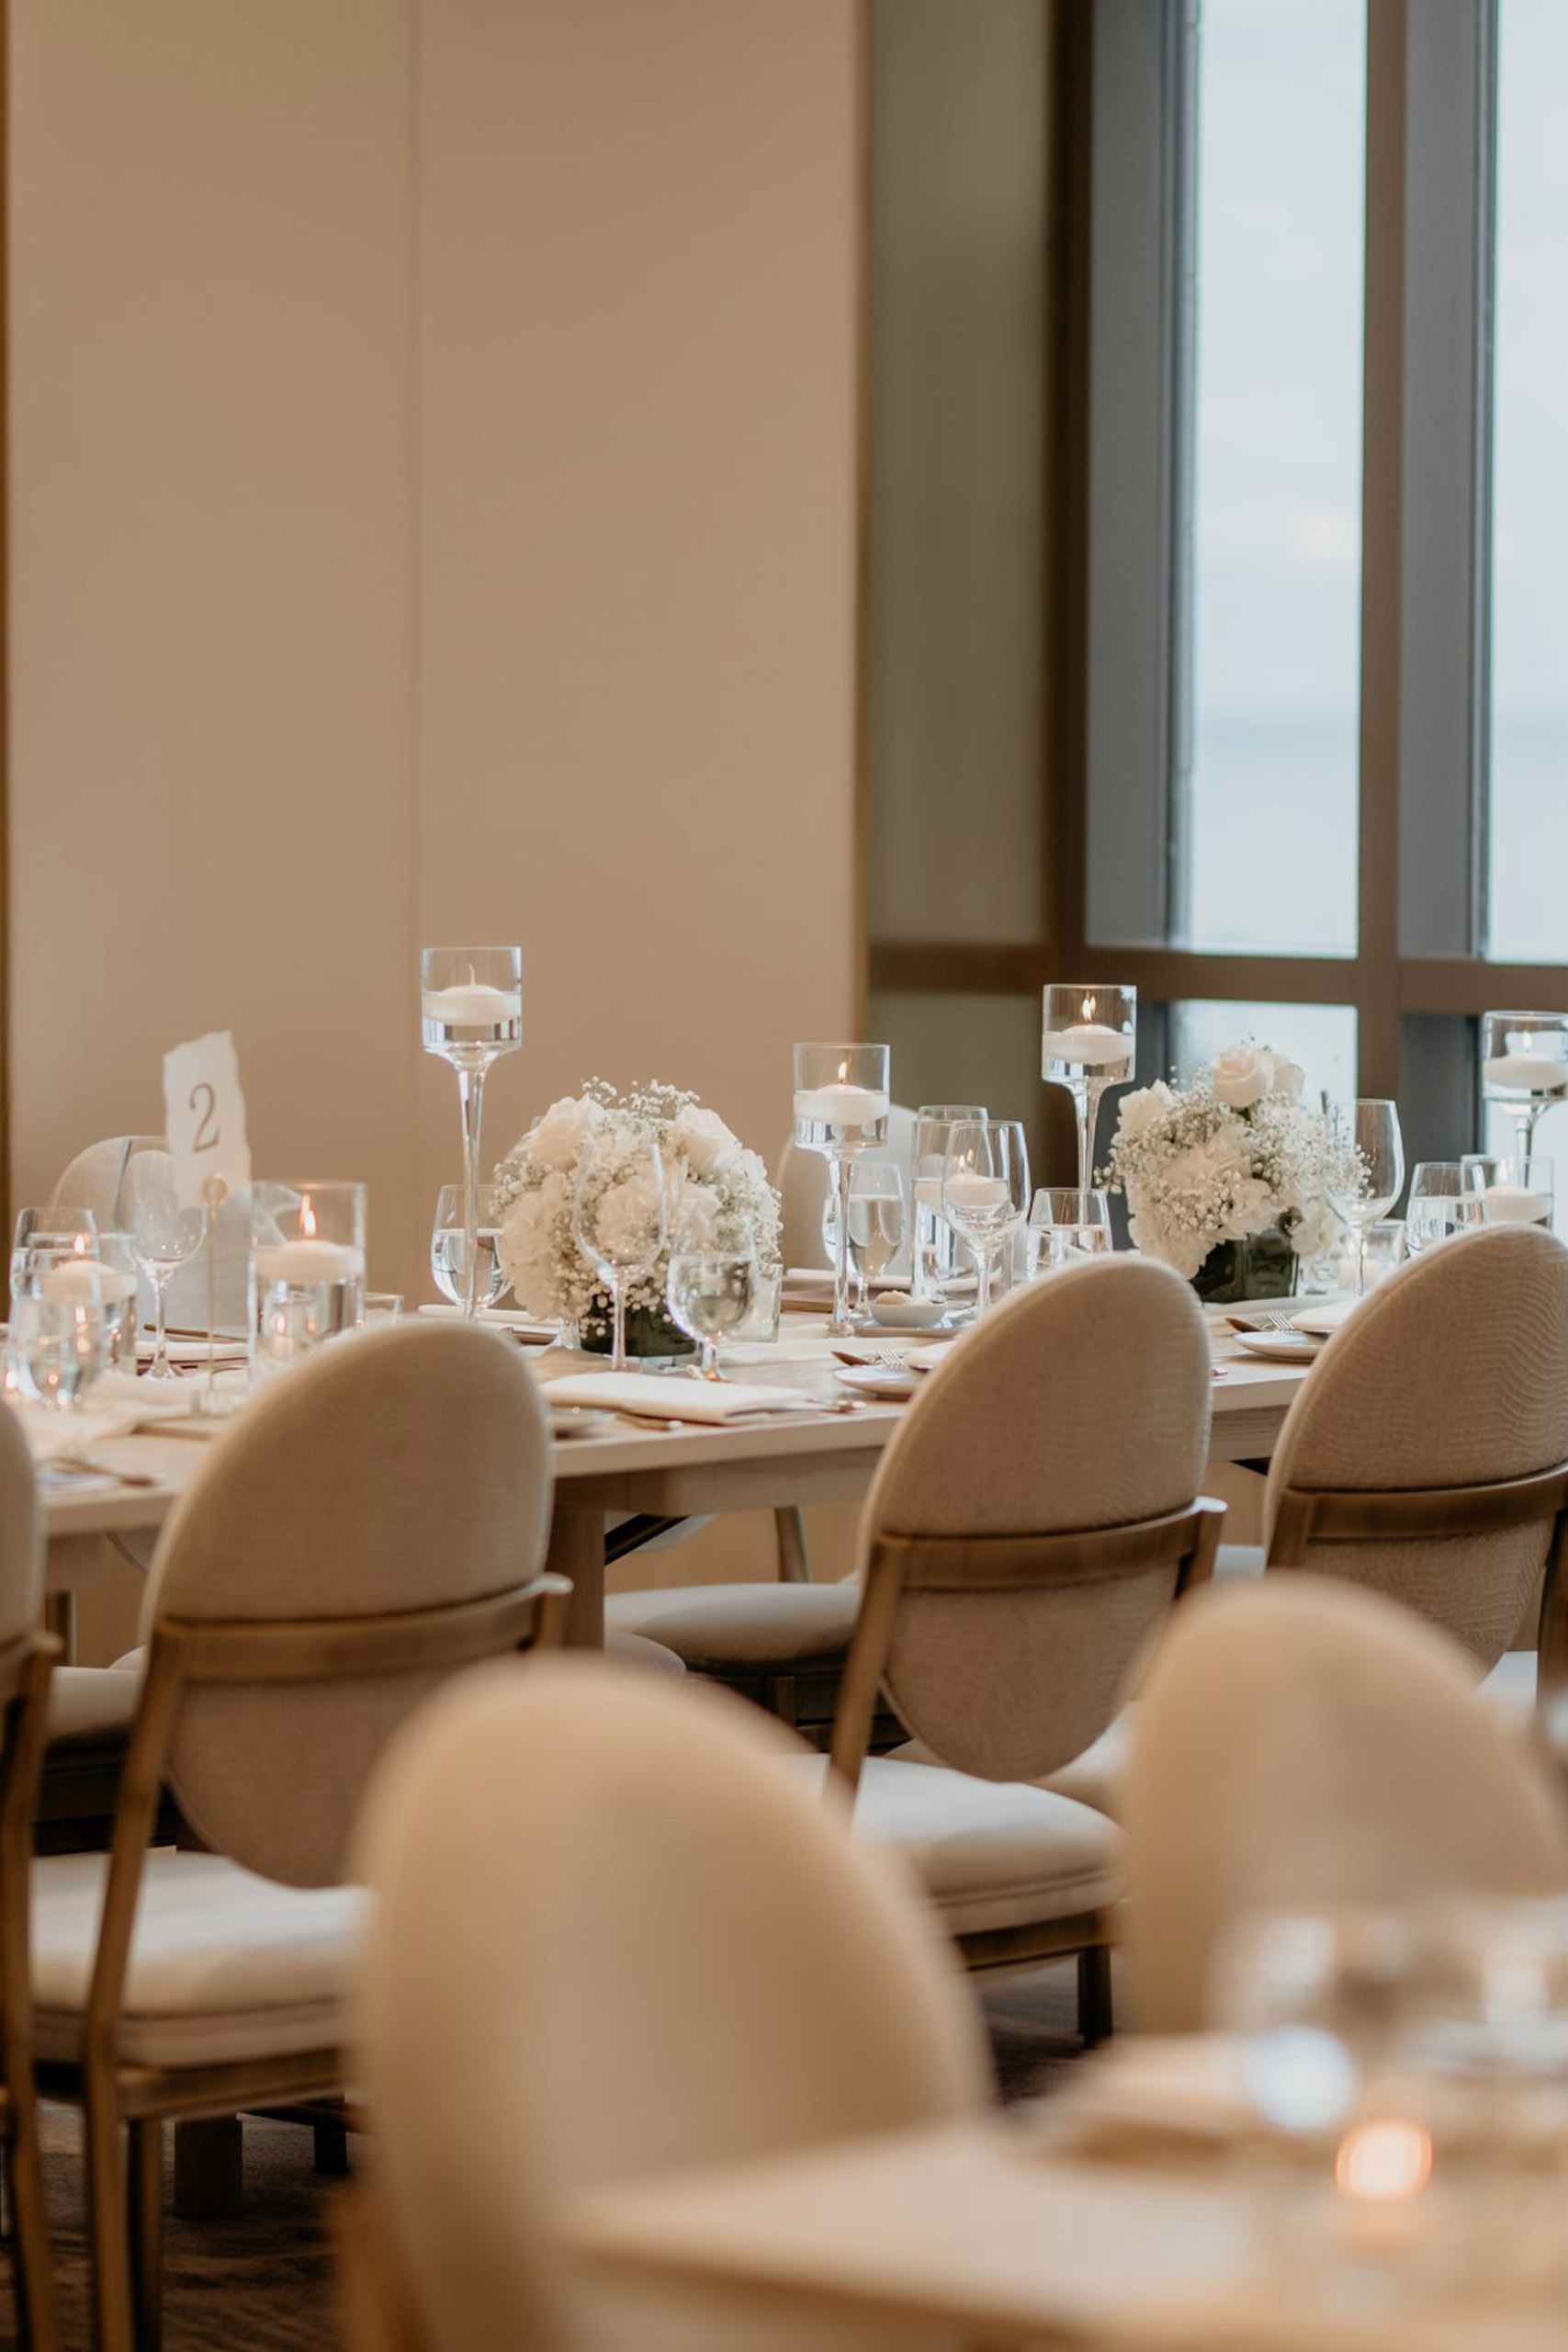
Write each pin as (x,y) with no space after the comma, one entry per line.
(841,1101)
(307,1270)
(1090,1041)
(470,1011)
(1524,1067)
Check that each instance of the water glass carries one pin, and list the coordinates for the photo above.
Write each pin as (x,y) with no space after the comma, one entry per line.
(878,1220)
(1369,1129)
(58,1226)
(307,1270)
(383,1307)
(1065,1225)
(1443,1203)
(620,1217)
(937,1256)
(711,1285)
(59,1332)
(115,1267)
(985,1189)
(1514,1192)
(449,1250)
(166,1234)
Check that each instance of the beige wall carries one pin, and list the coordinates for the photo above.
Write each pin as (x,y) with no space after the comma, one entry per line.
(433,462)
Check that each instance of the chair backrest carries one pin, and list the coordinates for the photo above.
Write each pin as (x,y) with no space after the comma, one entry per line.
(21,1540)
(1033,1520)
(1452,1373)
(616,1936)
(1303,1744)
(372,1520)
(802,1181)
(96,1180)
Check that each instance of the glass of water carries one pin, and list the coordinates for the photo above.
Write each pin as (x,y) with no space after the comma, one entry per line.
(878,1220)
(1065,1225)
(59,1331)
(711,1283)
(1443,1203)
(449,1252)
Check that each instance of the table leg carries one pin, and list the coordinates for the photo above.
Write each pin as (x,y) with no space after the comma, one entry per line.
(577,1550)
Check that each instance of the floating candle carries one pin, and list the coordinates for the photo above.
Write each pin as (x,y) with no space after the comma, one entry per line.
(969,1194)
(303,1265)
(844,1105)
(1526,1073)
(472,1005)
(1088,1045)
(87,1279)
(1515,1204)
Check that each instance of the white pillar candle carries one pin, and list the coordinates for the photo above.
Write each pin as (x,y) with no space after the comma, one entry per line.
(87,1279)
(1093,1045)
(1527,1073)
(1516,1205)
(967,1191)
(472,1005)
(302,1264)
(844,1105)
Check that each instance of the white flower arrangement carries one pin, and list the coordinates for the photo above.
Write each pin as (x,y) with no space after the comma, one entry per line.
(1234,1153)
(709,1174)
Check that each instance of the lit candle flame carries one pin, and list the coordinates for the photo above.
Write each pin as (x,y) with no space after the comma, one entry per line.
(1087,1013)
(843,1072)
(79,1244)
(1381,2161)
(306,1218)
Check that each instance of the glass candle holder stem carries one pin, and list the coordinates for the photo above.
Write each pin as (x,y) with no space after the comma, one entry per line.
(471,1015)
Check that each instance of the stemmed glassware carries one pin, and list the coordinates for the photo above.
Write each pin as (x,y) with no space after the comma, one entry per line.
(449,1246)
(166,1238)
(1524,1065)
(1444,1203)
(934,1248)
(470,1007)
(985,1189)
(1067,1225)
(842,1102)
(1376,1152)
(620,1217)
(1513,1191)
(712,1282)
(1090,1041)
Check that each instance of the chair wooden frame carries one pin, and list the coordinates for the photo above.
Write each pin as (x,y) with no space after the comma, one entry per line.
(26,1666)
(125,2203)
(1309,1515)
(1187,1540)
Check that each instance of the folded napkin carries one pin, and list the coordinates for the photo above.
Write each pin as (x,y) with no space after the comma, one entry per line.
(817,1282)
(677,1400)
(525,1328)
(1159,2093)
(1324,1318)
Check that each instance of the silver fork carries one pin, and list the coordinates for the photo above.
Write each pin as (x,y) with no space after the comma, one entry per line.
(1266,1319)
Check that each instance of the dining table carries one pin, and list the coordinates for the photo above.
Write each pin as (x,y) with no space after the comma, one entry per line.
(813,1451)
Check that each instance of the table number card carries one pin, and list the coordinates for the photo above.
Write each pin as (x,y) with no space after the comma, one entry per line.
(204,1112)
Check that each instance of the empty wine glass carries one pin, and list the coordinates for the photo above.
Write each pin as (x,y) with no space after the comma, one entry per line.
(1374,1173)
(450,1247)
(1065,1225)
(936,1251)
(60,1330)
(167,1236)
(1443,1203)
(985,1189)
(620,1216)
(711,1287)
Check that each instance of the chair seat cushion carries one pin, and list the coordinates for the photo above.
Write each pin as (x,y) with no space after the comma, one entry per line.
(988,1853)
(741,1625)
(224,1965)
(1510,1685)
(1098,1777)
(652,1657)
(91,1702)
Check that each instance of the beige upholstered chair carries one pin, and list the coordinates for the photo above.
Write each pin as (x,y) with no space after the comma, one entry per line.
(371,1523)
(1301,1743)
(1028,1527)
(26,1656)
(614,1939)
(96,1180)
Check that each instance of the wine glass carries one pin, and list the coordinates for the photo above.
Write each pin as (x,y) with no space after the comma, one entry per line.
(1443,1203)
(841,1104)
(711,1287)
(61,1329)
(878,1220)
(1374,1174)
(450,1247)
(471,1013)
(620,1215)
(60,1225)
(934,1258)
(1514,1192)
(1067,1225)
(1088,1045)
(985,1189)
(167,1236)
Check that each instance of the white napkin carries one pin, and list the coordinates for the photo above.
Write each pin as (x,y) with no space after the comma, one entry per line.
(677,1400)
(526,1327)
(817,1282)
(1324,1318)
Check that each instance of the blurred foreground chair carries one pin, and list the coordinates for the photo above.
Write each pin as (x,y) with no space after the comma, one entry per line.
(1301,1745)
(1032,1521)
(612,1939)
(372,1524)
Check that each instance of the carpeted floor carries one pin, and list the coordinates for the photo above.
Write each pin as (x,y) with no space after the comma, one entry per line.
(265,2282)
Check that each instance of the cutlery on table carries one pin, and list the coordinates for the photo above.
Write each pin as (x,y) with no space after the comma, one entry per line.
(93,1468)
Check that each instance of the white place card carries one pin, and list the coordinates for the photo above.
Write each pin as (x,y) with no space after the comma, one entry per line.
(204,1113)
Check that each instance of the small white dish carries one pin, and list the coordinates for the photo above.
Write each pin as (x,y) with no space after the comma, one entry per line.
(879,1380)
(1281,1347)
(907,1313)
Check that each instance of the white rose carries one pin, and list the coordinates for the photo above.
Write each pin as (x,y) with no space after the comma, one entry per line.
(1185,1252)
(1315,1231)
(1253,1210)
(527,1245)
(1242,1076)
(1289,1080)
(628,1220)
(1144,1109)
(556,1139)
(704,1140)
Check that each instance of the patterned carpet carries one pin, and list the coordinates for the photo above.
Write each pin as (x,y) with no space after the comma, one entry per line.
(265,2282)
